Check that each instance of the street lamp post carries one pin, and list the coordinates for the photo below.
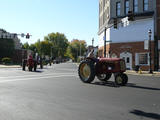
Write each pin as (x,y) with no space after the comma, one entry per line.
(150,52)
(92,42)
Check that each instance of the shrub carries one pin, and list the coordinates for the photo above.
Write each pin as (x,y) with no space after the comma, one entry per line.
(79,60)
(6,60)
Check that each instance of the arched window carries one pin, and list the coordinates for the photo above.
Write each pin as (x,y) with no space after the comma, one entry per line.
(114,55)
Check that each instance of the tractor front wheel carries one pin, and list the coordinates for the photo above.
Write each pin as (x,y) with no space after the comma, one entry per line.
(125,79)
(35,65)
(86,71)
(30,68)
(121,79)
(23,66)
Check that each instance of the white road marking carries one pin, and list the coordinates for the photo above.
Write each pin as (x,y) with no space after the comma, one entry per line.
(67,69)
(37,75)
(24,79)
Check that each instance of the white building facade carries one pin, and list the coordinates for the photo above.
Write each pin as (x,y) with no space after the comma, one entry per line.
(130,40)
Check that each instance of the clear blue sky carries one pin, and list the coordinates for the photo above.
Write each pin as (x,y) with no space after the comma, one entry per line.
(75,18)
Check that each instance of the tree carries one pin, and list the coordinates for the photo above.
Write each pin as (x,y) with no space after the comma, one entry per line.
(25,45)
(59,43)
(38,47)
(33,47)
(76,48)
(46,47)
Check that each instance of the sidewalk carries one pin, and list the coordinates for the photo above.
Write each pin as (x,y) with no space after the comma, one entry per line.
(143,73)
(10,66)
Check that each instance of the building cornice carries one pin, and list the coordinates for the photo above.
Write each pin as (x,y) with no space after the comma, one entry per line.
(143,15)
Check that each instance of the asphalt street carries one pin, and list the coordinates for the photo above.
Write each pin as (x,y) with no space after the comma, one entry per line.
(56,93)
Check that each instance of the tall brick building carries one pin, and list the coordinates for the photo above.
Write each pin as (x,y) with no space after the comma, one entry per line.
(130,37)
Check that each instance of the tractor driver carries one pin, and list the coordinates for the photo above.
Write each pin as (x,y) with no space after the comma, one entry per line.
(91,55)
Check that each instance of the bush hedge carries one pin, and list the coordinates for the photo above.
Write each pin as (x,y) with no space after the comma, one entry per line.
(6,60)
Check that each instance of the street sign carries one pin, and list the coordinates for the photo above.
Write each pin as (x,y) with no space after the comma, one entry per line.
(146,44)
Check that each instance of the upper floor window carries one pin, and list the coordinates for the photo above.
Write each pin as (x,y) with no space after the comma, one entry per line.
(145,5)
(126,6)
(135,2)
(118,9)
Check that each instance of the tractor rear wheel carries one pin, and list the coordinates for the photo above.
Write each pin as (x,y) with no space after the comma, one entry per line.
(23,65)
(104,77)
(125,79)
(35,65)
(86,71)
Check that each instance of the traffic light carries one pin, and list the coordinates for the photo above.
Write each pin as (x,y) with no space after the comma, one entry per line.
(27,36)
(115,23)
(130,16)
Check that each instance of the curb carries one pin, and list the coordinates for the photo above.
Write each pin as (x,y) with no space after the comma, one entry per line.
(4,66)
(157,74)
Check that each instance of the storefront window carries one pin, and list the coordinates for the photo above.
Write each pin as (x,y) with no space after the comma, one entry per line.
(143,58)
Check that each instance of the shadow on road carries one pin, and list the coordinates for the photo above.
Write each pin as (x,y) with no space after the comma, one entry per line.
(108,83)
(112,84)
(145,114)
(141,87)
(38,71)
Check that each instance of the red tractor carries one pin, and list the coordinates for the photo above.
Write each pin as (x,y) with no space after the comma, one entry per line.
(30,62)
(103,68)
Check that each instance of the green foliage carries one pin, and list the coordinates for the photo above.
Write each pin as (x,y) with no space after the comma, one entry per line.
(79,59)
(6,60)
(57,46)
(25,45)
(76,48)
(59,43)
(38,47)
(6,48)
(46,47)
(33,47)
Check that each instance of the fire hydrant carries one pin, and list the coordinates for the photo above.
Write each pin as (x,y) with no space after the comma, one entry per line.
(140,71)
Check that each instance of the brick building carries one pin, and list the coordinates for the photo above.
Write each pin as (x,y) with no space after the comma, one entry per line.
(7,35)
(130,37)
(19,53)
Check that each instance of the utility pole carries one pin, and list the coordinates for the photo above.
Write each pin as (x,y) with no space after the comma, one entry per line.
(156,37)
(104,42)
